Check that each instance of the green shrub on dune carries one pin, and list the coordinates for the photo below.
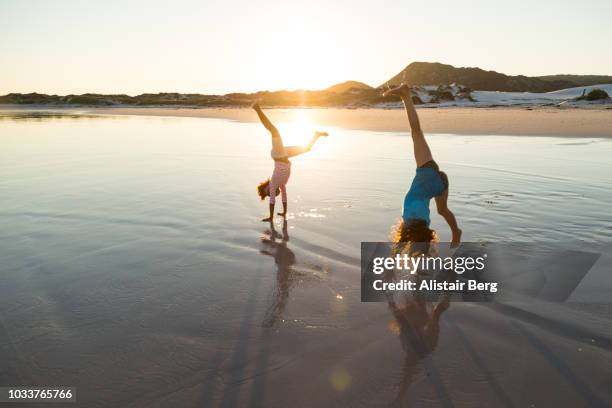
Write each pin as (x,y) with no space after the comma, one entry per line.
(417,100)
(595,95)
(88,100)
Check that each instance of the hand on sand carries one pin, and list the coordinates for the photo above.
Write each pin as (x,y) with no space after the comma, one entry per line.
(325,134)
(456,238)
(403,89)
(269,219)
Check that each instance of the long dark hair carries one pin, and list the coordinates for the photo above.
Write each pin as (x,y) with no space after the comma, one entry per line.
(263,189)
(416,231)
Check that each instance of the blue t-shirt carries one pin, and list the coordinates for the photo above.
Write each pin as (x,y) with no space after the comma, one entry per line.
(427,183)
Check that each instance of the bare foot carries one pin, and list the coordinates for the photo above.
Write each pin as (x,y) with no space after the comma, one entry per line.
(282,214)
(403,89)
(269,219)
(456,238)
(322,134)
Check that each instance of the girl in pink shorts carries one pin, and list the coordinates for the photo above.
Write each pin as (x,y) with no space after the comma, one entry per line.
(282,166)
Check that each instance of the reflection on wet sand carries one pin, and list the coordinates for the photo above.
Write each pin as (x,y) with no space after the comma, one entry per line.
(417,323)
(130,269)
(275,245)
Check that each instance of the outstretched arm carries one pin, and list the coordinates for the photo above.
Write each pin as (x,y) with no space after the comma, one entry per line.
(444,211)
(297,150)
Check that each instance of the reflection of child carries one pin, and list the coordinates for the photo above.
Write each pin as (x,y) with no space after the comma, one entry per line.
(284,259)
(418,330)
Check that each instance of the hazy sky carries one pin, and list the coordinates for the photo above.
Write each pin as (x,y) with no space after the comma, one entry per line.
(235,45)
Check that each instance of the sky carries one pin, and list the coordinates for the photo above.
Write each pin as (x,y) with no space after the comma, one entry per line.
(221,46)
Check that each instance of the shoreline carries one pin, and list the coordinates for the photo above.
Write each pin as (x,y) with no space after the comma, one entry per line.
(508,121)
(466,121)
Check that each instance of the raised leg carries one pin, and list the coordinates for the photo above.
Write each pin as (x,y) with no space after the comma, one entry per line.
(422,153)
(278,150)
(264,120)
(297,150)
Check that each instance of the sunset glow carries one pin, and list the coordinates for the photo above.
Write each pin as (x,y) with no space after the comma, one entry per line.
(237,46)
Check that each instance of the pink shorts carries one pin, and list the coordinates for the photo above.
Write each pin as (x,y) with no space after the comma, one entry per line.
(279,179)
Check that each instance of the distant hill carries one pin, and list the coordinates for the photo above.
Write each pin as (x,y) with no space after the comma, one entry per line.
(91,99)
(348,86)
(434,73)
(349,93)
(579,80)
(432,80)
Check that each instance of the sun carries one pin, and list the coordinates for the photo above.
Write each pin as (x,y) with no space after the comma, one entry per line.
(294,58)
(298,127)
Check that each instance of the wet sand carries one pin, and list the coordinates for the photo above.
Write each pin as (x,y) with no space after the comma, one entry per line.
(135,267)
(470,121)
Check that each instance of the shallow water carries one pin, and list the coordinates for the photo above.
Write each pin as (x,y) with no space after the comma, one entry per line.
(135,266)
